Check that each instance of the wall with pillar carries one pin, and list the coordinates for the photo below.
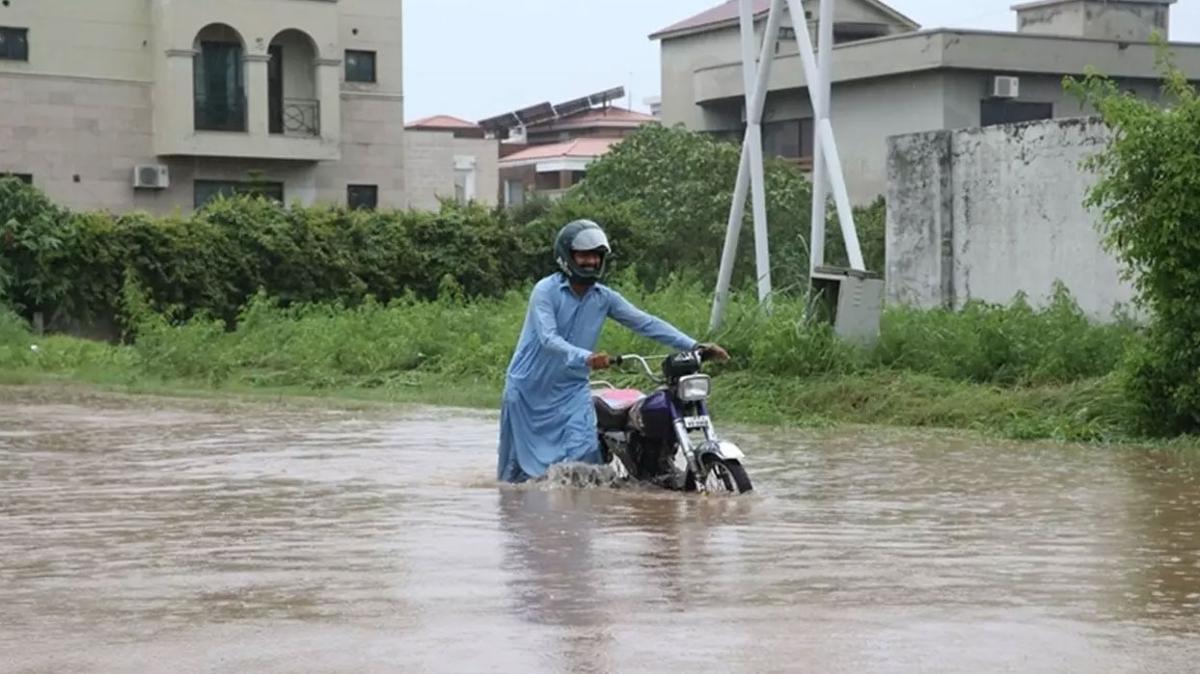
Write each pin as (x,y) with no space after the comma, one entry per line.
(987,213)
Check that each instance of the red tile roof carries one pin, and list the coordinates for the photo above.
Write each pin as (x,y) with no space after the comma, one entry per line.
(580,147)
(727,11)
(610,114)
(441,122)
(612,117)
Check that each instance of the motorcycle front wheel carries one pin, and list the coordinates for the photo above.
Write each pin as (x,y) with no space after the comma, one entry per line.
(719,475)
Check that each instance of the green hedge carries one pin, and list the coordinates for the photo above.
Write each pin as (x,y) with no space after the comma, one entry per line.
(663,194)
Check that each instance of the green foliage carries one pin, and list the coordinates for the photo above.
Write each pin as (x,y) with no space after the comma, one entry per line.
(1014,345)
(74,265)
(1149,196)
(33,238)
(1021,372)
(665,195)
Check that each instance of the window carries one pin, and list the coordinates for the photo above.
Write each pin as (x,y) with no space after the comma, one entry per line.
(548,182)
(464,179)
(853,31)
(514,192)
(26,178)
(1004,111)
(360,66)
(789,138)
(219,90)
(362,197)
(205,191)
(14,43)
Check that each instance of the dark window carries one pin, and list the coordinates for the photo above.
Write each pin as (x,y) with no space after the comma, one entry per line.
(853,31)
(14,43)
(275,89)
(360,66)
(1004,111)
(789,138)
(26,178)
(365,197)
(220,96)
(205,191)
(577,177)
(548,181)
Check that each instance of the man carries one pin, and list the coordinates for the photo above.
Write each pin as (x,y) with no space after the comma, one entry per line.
(547,415)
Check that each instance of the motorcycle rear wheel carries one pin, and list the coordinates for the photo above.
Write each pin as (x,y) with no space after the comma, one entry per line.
(722,475)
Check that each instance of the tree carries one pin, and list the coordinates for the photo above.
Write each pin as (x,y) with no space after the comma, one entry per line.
(1149,196)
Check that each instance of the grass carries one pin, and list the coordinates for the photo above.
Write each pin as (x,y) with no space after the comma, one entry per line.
(1011,371)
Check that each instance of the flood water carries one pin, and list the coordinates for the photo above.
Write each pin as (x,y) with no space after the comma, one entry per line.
(149,535)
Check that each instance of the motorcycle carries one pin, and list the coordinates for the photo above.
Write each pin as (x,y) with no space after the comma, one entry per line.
(649,437)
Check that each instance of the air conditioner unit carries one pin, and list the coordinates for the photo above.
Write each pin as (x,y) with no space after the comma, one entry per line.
(151,176)
(1006,87)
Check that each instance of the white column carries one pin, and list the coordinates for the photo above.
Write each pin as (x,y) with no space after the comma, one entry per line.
(758,196)
(820,176)
(257,111)
(329,92)
(174,101)
(837,179)
(757,98)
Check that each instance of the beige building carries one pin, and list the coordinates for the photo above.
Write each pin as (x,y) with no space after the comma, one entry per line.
(161,104)
(450,159)
(892,78)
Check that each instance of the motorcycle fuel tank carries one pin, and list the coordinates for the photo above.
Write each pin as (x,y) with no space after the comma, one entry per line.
(654,417)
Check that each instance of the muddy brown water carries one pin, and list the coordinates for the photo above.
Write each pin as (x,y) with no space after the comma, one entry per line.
(142,535)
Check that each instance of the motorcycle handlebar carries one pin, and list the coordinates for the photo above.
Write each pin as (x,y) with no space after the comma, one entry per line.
(618,361)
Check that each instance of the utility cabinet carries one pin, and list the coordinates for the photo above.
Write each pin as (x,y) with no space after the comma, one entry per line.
(850,299)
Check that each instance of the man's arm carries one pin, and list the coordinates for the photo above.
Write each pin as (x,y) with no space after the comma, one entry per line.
(547,329)
(622,311)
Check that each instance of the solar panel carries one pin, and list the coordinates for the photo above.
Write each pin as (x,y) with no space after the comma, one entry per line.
(603,97)
(573,106)
(500,122)
(536,113)
(545,112)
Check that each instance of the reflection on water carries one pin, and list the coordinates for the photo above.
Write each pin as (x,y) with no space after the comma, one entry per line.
(141,535)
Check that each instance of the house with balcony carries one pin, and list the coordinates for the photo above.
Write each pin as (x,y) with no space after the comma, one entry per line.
(546,149)
(162,104)
(891,77)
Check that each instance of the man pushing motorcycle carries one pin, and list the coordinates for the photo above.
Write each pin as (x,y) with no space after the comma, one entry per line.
(547,416)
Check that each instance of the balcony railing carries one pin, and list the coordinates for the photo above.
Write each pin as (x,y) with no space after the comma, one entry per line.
(220,113)
(301,117)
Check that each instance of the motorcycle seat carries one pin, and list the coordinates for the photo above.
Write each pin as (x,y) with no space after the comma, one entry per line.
(612,407)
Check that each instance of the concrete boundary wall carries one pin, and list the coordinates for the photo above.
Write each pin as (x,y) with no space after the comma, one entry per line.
(986,213)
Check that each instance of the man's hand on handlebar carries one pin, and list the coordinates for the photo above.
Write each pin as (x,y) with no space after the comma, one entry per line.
(712,352)
(599,361)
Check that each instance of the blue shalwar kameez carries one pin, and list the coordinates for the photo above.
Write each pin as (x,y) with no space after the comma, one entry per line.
(547,415)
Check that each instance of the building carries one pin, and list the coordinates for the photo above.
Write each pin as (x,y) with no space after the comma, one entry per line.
(892,78)
(547,148)
(161,104)
(450,158)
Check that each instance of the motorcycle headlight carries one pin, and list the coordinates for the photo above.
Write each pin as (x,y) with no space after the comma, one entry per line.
(694,388)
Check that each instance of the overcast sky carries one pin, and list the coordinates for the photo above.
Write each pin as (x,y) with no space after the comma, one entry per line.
(478,58)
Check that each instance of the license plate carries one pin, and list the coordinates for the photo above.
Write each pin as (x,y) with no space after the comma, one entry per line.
(695,422)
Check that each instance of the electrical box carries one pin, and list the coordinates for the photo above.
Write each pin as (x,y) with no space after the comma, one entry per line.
(1006,87)
(151,176)
(850,299)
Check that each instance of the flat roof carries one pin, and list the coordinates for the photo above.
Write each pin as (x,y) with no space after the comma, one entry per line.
(727,14)
(944,48)
(1050,3)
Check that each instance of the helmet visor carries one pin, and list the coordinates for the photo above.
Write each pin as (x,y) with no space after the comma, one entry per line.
(590,239)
